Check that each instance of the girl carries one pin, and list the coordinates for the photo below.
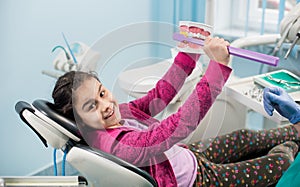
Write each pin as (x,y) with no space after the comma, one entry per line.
(130,131)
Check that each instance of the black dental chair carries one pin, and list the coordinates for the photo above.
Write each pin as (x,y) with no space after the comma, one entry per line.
(99,168)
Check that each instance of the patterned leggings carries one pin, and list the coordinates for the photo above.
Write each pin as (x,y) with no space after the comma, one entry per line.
(225,160)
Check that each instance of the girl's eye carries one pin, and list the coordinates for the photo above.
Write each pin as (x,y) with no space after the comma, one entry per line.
(92,106)
(102,93)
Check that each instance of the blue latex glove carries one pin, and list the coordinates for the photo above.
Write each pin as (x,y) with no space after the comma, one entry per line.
(277,98)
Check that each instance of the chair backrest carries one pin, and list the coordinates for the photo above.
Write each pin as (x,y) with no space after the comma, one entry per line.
(100,168)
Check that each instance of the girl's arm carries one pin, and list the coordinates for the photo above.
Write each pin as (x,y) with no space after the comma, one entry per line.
(168,86)
(138,147)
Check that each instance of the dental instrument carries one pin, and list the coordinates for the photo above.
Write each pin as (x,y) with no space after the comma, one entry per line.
(69,64)
(281,78)
(67,43)
(86,59)
(243,53)
(282,39)
(289,84)
(61,47)
(293,45)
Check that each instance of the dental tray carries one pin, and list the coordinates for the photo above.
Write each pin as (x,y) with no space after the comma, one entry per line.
(281,78)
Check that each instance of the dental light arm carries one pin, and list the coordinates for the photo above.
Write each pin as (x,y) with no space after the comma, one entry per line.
(243,53)
(290,30)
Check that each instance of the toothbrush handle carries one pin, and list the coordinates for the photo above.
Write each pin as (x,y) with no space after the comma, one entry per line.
(243,53)
(255,56)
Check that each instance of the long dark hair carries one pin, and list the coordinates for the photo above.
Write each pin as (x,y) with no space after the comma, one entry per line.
(62,93)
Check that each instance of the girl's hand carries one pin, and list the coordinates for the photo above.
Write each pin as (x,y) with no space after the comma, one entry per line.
(216,49)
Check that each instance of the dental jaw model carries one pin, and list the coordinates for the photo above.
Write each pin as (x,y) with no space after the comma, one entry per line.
(198,31)
(189,34)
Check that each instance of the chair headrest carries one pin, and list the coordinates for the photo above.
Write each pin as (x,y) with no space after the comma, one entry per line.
(20,107)
(49,110)
(50,126)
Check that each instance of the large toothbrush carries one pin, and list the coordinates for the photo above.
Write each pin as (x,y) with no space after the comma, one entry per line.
(243,53)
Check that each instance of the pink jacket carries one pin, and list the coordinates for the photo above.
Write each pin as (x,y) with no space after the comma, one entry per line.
(145,149)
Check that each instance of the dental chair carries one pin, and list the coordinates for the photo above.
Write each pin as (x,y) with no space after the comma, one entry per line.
(99,168)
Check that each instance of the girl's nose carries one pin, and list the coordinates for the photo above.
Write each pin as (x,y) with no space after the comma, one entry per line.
(105,105)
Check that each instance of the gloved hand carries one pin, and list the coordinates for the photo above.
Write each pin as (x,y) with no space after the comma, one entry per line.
(277,98)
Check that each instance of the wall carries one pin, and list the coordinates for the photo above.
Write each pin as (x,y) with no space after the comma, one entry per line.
(29,31)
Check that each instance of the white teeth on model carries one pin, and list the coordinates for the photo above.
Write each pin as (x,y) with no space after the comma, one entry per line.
(194,35)
(197,35)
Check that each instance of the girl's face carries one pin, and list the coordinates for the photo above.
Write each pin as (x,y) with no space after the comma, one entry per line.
(96,106)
